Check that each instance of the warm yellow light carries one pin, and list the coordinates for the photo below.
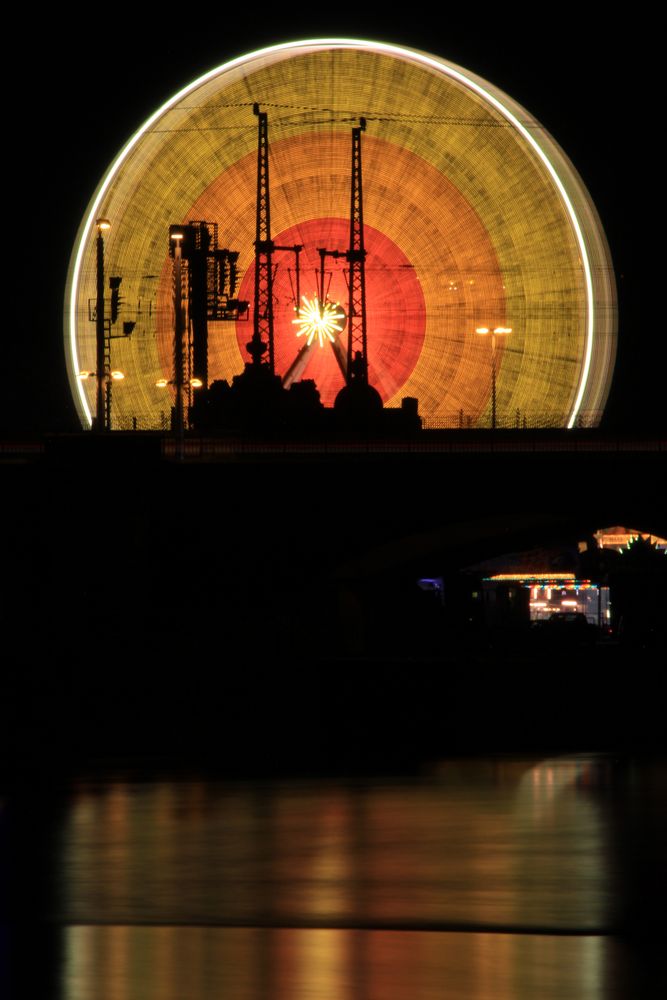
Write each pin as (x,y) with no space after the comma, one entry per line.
(162,383)
(84,374)
(318,320)
(482,329)
(176,237)
(503,329)
(196,383)
(533,576)
(103,224)
(117,376)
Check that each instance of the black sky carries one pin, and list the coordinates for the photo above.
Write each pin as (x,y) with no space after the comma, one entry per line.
(86,87)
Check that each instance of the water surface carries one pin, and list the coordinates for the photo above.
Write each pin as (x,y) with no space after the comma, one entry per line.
(498,879)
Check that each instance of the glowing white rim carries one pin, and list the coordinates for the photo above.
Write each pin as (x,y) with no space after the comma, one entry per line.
(393,50)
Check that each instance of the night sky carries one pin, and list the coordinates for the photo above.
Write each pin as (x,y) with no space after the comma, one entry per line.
(83,97)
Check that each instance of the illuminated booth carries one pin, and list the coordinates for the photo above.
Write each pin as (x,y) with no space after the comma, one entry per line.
(553,594)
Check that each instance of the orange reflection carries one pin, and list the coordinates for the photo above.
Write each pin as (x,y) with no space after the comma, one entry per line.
(160,963)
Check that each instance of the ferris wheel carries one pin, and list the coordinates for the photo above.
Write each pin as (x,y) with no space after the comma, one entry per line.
(474,220)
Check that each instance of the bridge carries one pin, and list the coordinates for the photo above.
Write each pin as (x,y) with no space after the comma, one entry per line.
(305,508)
(144,580)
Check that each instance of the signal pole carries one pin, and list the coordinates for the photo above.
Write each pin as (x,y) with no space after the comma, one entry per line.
(102,367)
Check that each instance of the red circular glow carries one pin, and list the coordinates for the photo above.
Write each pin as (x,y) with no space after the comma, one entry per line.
(394,305)
(431,279)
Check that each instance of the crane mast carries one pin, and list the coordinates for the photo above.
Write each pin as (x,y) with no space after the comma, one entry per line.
(212,279)
(262,337)
(209,277)
(357,357)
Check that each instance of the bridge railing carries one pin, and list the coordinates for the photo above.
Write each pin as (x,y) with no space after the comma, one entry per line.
(518,420)
(515,420)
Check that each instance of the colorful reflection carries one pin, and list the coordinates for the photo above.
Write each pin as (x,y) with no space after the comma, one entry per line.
(198,963)
(489,880)
(471,846)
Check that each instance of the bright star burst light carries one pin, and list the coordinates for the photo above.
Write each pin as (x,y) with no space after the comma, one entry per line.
(321,321)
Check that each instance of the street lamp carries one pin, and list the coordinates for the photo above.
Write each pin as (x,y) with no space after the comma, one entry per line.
(104,379)
(497,331)
(194,383)
(115,375)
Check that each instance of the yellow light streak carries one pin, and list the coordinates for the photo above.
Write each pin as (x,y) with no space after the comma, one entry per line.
(316,320)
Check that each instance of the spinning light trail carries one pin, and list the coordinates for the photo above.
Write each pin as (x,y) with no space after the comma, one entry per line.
(473,216)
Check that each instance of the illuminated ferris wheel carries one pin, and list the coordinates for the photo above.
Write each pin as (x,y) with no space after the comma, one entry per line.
(474,220)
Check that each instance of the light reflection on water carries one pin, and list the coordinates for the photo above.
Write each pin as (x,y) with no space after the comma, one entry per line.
(355,891)
(193,963)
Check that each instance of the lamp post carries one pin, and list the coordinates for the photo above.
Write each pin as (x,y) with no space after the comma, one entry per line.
(102,373)
(177,237)
(106,380)
(495,332)
(193,383)
(100,408)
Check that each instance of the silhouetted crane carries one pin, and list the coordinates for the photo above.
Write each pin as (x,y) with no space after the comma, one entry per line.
(211,284)
(262,338)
